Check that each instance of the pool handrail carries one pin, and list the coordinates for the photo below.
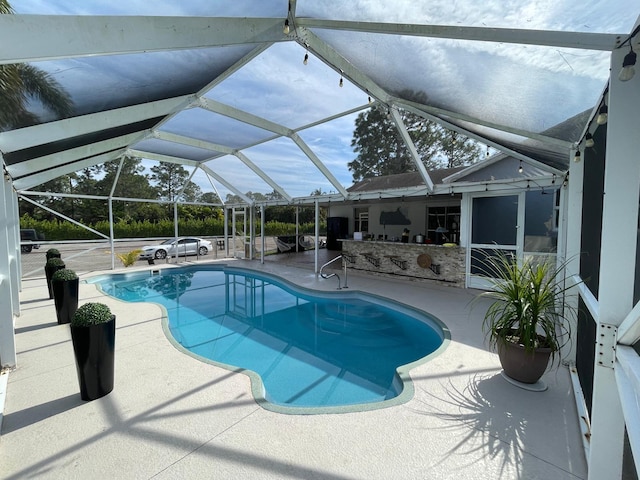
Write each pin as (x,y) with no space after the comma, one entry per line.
(344,266)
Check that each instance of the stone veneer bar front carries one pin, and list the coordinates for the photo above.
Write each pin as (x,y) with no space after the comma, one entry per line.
(402,259)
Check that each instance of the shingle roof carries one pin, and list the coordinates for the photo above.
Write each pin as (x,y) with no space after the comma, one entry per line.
(400,180)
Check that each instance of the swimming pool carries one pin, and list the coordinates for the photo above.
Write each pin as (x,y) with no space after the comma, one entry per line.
(305,351)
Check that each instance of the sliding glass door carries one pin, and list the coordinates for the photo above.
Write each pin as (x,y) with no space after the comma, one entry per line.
(518,225)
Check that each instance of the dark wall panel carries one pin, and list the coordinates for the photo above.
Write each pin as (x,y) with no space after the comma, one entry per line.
(592,200)
(585,351)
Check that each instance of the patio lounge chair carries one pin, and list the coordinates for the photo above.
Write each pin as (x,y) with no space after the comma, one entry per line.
(284,246)
(306,243)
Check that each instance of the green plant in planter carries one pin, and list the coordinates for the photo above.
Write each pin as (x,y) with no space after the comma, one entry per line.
(53,253)
(53,264)
(64,275)
(529,313)
(64,285)
(93,334)
(129,258)
(91,313)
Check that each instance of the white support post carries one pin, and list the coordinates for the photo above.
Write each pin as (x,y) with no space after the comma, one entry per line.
(111,243)
(297,225)
(15,268)
(617,263)
(317,235)
(262,236)
(571,226)
(225,231)
(175,228)
(8,357)
(252,230)
(16,212)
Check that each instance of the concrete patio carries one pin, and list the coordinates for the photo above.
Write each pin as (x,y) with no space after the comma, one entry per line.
(172,416)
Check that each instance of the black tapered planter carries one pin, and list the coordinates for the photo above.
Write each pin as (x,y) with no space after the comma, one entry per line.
(94,347)
(65,297)
(49,270)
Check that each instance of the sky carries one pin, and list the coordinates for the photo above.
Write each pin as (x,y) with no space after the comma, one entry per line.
(527,87)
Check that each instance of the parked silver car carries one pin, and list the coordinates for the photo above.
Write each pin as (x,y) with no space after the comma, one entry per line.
(185,246)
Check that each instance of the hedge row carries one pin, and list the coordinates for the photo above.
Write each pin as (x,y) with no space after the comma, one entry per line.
(55,230)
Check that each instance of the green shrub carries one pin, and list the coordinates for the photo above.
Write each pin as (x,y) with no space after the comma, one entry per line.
(55,262)
(64,275)
(52,253)
(91,313)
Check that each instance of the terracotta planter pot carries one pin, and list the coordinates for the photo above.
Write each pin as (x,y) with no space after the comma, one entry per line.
(65,297)
(94,347)
(523,366)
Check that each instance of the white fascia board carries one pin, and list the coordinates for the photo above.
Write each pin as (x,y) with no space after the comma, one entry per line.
(396,193)
(549,38)
(21,138)
(72,155)
(515,184)
(32,38)
(31,181)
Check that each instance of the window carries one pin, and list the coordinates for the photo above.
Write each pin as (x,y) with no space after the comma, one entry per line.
(541,221)
(361,216)
(443,224)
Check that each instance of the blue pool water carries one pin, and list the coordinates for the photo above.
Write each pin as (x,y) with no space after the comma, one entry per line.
(310,349)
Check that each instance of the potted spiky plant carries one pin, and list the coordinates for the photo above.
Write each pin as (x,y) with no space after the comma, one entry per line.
(529,320)
(129,258)
(53,264)
(93,331)
(64,284)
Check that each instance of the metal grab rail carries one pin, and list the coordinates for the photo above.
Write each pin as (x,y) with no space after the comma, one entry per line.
(344,266)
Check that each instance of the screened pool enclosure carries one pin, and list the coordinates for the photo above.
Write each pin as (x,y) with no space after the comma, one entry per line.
(262,97)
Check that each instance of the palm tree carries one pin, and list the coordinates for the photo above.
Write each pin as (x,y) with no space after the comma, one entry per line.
(20,82)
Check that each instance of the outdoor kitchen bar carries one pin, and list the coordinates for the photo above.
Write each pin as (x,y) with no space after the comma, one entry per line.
(440,263)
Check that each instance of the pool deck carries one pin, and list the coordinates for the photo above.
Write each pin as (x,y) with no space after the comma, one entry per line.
(171,416)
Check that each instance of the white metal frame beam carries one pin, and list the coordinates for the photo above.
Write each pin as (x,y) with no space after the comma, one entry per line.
(617,272)
(438,113)
(549,38)
(32,38)
(68,158)
(259,122)
(166,158)
(404,134)
(21,138)
(8,283)
(194,142)
(31,181)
